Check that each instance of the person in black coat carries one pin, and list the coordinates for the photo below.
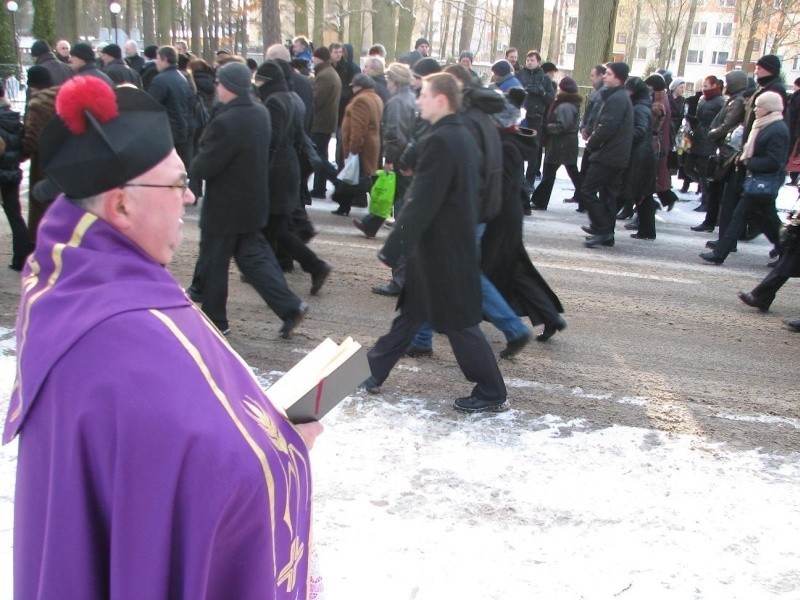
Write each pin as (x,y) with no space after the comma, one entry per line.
(234,152)
(82,60)
(437,232)
(610,148)
(286,143)
(764,152)
(117,69)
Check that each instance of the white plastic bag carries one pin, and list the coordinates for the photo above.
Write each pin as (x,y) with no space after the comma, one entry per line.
(351,172)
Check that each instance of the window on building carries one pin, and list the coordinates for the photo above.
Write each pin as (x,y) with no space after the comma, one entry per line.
(641,53)
(572,22)
(719,58)
(699,28)
(622,38)
(723,29)
(570,48)
(755,45)
(694,57)
(796,63)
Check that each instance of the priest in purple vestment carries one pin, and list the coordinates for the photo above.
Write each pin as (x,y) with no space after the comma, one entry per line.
(151,463)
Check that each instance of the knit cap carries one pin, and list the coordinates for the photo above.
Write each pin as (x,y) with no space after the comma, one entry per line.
(236,78)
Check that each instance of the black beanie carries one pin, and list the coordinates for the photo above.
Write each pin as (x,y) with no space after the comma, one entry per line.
(113,51)
(236,78)
(39,48)
(656,82)
(426,66)
(419,42)
(269,70)
(83,51)
(771,63)
(620,70)
(39,78)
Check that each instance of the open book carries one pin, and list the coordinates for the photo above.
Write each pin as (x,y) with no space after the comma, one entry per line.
(311,388)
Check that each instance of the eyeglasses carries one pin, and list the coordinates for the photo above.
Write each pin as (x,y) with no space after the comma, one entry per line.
(183,185)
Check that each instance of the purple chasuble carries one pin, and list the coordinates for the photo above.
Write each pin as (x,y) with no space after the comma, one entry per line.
(151,464)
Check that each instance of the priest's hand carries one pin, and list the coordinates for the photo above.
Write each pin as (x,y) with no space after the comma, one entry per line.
(309,432)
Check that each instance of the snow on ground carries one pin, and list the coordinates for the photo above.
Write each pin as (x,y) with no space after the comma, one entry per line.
(414,501)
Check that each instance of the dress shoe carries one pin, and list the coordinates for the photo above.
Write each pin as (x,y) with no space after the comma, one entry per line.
(417,352)
(589,229)
(701,208)
(632,226)
(600,238)
(751,300)
(712,244)
(473,404)
(370,385)
(292,320)
(318,278)
(669,204)
(793,324)
(318,195)
(342,212)
(712,257)
(580,210)
(685,188)
(515,346)
(537,207)
(15,267)
(194,295)
(640,236)
(775,252)
(550,329)
(774,263)
(527,211)
(572,200)
(360,226)
(702,227)
(389,289)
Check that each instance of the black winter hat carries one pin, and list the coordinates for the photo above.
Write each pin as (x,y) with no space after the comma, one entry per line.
(419,42)
(426,66)
(39,78)
(39,48)
(501,68)
(568,85)
(771,63)
(236,77)
(83,51)
(113,51)
(269,71)
(548,67)
(656,82)
(620,70)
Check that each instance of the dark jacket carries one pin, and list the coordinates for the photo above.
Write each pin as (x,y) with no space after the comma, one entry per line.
(593,103)
(206,89)
(772,83)
(327,94)
(677,109)
(771,150)
(477,106)
(382,88)
(610,143)
(148,73)
(701,125)
(303,88)
(437,229)
(232,159)
(41,108)
(119,72)
(540,95)
(639,177)
(59,72)
(135,62)
(728,118)
(11,132)
(285,142)
(91,70)
(561,130)
(346,71)
(174,93)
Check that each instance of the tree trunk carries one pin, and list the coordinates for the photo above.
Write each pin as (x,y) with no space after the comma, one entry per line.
(456,22)
(561,31)
(67,19)
(595,37)
(405,28)
(754,23)
(355,27)
(163,14)
(467,26)
(553,38)
(527,21)
(319,28)
(196,25)
(495,32)
(270,23)
(687,38)
(8,50)
(663,46)
(129,20)
(148,23)
(301,17)
(446,10)
(44,21)
(633,36)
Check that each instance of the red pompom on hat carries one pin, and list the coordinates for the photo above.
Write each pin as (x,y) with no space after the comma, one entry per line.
(82,96)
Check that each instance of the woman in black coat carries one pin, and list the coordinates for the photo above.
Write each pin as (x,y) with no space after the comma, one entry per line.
(560,141)
(504,259)
(702,147)
(286,142)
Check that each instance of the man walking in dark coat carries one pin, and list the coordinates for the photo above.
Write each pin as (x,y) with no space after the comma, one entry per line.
(234,152)
(174,93)
(116,68)
(82,60)
(610,148)
(437,231)
(59,72)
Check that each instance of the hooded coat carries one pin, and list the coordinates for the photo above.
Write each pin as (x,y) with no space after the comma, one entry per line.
(561,129)
(639,178)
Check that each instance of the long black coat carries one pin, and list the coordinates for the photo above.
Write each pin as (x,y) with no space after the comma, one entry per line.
(175,94)
(287,139)
(610,143)
(233,155)
(561,130)
(437,229)
(504,259)
(639,178)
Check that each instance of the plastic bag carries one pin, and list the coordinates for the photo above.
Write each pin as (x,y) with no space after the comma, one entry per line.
(351,172)
(381,196)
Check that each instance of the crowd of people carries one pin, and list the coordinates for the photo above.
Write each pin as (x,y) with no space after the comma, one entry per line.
(120,143)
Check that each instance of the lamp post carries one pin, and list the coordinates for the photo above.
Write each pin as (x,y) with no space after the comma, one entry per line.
(115,8)
(13,7)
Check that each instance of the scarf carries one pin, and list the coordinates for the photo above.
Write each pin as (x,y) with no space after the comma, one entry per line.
(759,124)
(712,93)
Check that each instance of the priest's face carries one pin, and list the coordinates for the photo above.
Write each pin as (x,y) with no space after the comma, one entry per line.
(156,211)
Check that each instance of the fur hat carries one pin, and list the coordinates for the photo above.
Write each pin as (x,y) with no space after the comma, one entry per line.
(113,51)
(675,83)
(110,129)
(567,84)
(83,51)
(620,70)
(236,78)
(426,66)
(322,53)
(501,68)
(399,73)
(770,62)
(39,48)
(770,101)
(656,82)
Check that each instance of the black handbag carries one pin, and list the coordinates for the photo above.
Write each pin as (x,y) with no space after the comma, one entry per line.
(763,185)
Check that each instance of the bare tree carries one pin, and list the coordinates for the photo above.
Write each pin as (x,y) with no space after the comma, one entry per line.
(405,26)
(753,29)
(527,21)
(467,25)
(270,23)
(196,25)
(687,36)
(669,17)
(67,12)
(301,17)
(633,33)
(595,40)
(148,22)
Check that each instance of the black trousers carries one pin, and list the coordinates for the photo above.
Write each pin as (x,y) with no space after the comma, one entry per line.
(321,142)
(761,212)
(257,263)
(646,207)
(472,351)
(599,189)
(21,244)
(283,238)
(766,290)
(716,190)
(541,196)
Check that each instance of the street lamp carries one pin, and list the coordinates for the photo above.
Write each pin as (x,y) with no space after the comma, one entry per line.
(115,8)
(13,7)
